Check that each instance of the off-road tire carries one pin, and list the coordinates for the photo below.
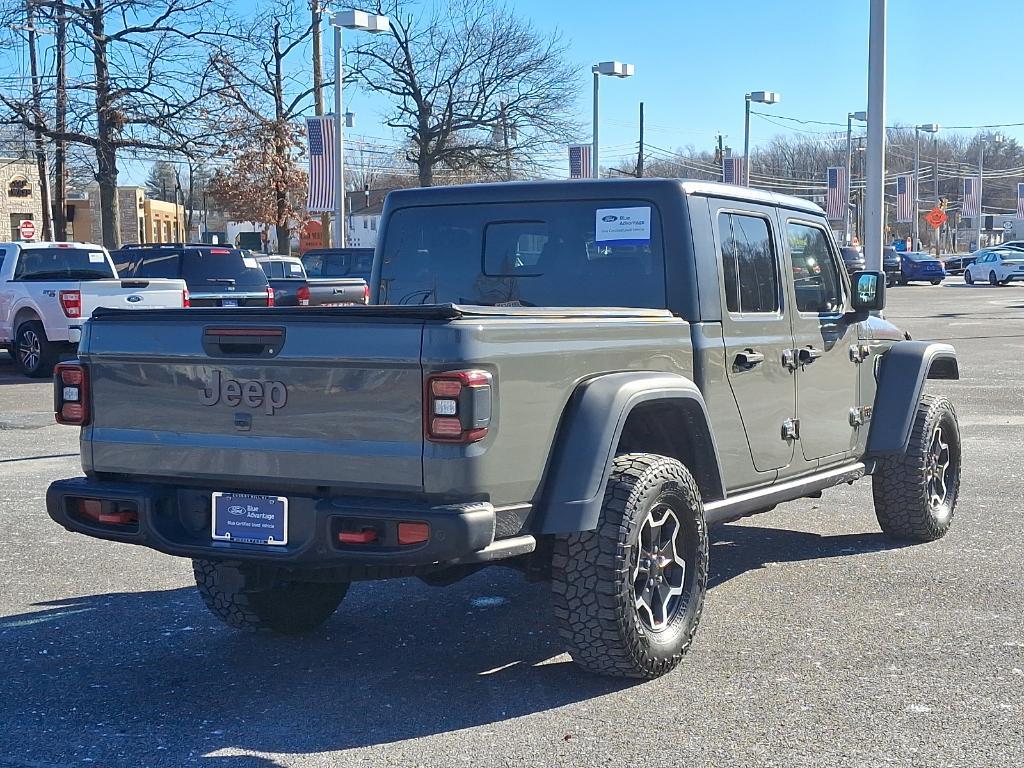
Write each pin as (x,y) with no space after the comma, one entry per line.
(233,594)
(31,335)
(592,573)
(900,483)
(968,278)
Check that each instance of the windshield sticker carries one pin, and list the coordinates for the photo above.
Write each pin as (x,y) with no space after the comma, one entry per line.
(96,258)
(623,226)
(250,263)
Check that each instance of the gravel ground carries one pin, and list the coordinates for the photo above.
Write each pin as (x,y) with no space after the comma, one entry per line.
(823,642)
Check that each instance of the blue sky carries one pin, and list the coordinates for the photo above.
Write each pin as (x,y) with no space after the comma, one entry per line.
(695,60)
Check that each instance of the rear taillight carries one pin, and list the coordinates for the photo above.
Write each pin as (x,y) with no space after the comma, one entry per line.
(366,294)
(457,406)
(71,394)
(303,296)
(71,303)
(186,300)
(270,296)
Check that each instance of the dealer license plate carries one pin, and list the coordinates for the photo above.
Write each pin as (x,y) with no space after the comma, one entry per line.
(250,519)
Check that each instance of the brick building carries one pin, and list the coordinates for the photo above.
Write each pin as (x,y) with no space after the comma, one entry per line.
(19,196)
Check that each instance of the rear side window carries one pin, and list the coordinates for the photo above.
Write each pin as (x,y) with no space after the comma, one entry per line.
(604,253)
(815,274)
(63,264)
(750,271)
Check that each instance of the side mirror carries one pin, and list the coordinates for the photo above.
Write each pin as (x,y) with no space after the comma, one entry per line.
(868,291)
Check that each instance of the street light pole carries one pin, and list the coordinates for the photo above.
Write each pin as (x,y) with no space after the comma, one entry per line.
(761,97)
(997,139)
(850,117)
(874,197)
(917,182)
(367,22)
(613,69)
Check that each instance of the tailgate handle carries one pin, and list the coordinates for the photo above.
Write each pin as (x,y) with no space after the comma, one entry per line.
(243,342)
(135,283)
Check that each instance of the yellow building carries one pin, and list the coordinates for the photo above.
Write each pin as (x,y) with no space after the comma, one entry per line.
(141,220)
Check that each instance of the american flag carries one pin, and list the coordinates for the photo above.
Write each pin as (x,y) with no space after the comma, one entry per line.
(905,197)
(579,161)
(1020,201)
(732,170)
(835,200)
(320,133)
(970,205)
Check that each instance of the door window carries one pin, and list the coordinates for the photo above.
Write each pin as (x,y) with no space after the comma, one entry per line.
(749,267)
(819,289)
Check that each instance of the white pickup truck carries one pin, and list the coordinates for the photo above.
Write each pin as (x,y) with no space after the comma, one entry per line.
(47,290)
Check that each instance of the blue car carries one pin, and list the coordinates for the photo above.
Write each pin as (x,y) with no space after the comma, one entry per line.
(917,266)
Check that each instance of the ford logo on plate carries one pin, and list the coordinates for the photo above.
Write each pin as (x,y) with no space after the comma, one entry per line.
(236,510)
(609,218)
(134,298)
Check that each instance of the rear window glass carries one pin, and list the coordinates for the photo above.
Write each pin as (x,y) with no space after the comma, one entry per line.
(561,254)
(63,264)
(157,264)
(205,270)
(338,264)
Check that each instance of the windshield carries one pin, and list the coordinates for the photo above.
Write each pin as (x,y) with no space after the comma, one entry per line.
(339,263)
(552,254)
(63,264)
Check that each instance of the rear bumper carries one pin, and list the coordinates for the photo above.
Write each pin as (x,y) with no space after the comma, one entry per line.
(177,520)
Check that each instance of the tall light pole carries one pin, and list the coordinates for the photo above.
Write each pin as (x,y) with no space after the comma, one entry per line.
(368,22)
(611,69)
(996,139)
(927,128)
(760,97)
(874,183)
(850,117)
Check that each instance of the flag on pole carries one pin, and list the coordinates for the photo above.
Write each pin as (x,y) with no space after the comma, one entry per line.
(835,199)
(732,170)
(320,137)
(905,197)
(1020,201)
(970,203)
(579,161)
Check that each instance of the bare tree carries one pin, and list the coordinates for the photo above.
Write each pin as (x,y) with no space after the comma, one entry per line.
(144,80)
(474,85)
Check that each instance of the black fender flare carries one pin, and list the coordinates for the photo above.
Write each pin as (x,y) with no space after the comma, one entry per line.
(589,432)
(901,377)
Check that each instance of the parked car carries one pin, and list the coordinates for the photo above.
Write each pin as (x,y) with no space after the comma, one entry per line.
(956,263)
(891,265)
(338,276)
(582,393)
(48,290)
(919,266)
(216,276)
(997,266)
(853,258)
(287,278)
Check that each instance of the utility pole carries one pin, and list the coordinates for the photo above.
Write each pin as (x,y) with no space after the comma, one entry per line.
(915,238)
(37,109)
(938,200)
(60,170)
(318,98)
(504,142)
(874,191)
(640,154)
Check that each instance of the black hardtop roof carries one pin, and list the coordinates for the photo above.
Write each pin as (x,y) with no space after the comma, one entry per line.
(589,189)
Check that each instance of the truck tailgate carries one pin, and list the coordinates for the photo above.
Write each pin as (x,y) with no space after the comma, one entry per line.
(144,293)
(257,398)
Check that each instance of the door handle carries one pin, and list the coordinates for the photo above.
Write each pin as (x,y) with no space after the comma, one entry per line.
(747,359)
(808,355)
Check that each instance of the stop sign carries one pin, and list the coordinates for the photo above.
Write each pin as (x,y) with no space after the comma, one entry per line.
(27,229)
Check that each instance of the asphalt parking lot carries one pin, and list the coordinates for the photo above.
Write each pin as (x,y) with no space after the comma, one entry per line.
(823,642)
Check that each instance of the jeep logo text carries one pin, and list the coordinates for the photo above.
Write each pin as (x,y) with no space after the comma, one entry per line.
(270,395)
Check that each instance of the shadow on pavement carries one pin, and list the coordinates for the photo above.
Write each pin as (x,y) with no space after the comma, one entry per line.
(151,673)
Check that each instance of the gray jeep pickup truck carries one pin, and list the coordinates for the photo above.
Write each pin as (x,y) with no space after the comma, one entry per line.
(570,378)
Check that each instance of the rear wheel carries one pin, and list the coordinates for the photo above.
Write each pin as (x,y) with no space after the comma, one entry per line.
(34,354)
(992,279)
(242,599)
(936,282)
(915,494)
(629,595)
